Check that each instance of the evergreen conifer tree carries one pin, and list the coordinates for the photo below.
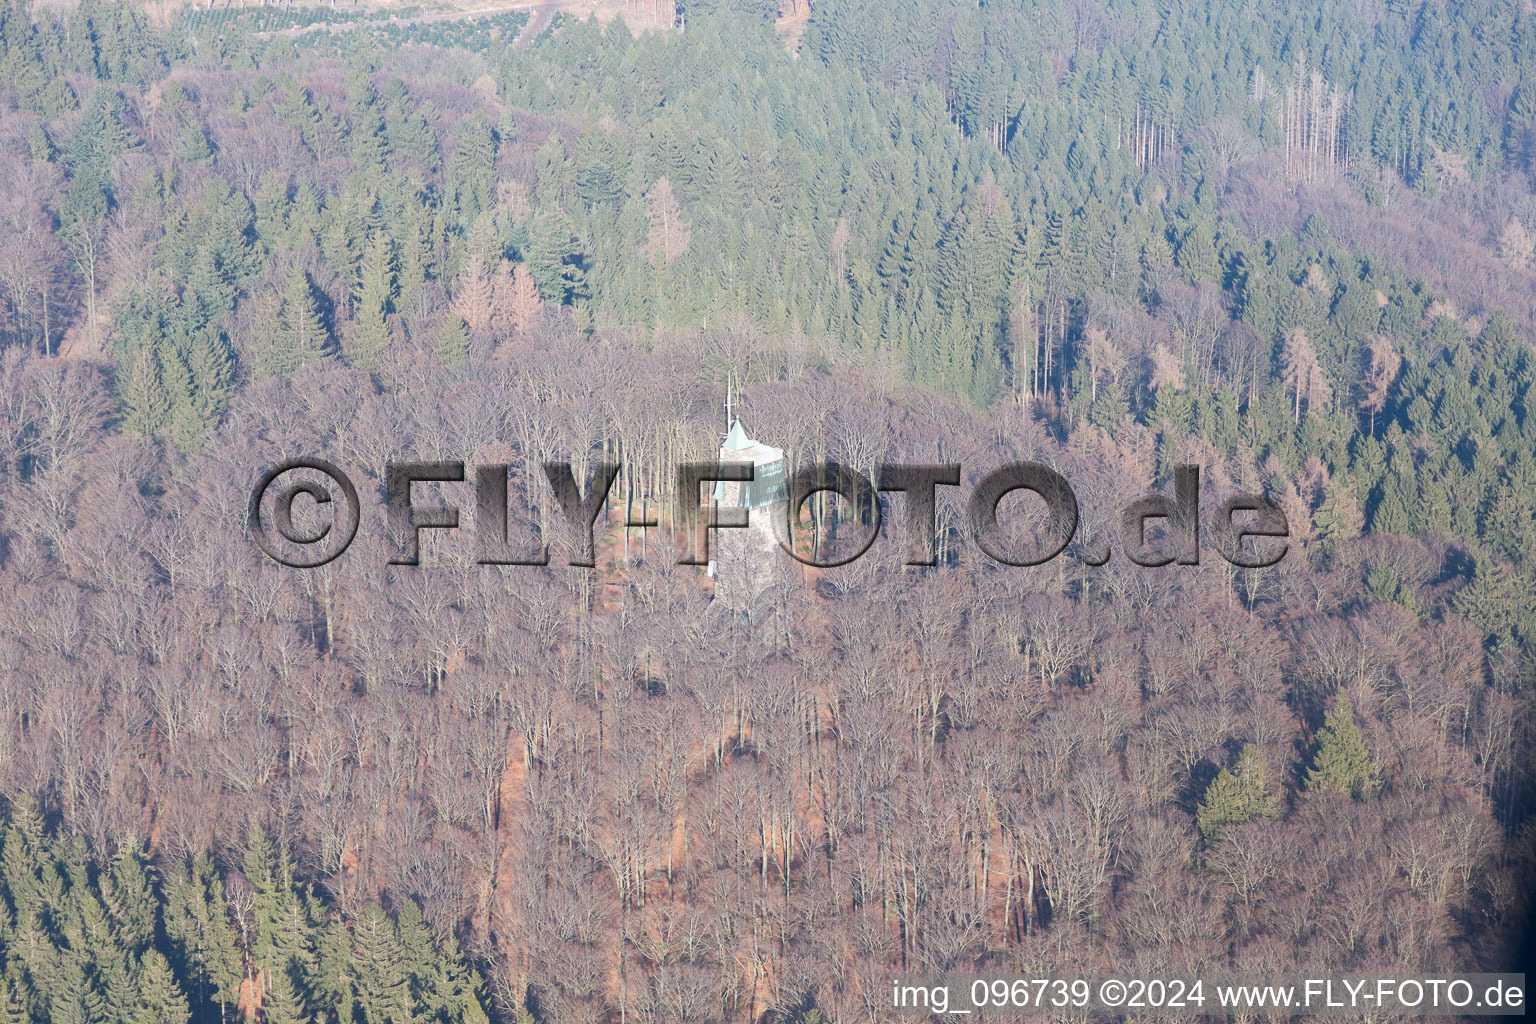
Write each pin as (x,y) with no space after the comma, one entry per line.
(281,1002)
(128,895)
(301,335)
(160,999)
(553,257)
(146,406)
(453,340)
(1197,255)
(335,970)
(1237,794)
(383,991)
(370,339)
(1338,518)
(13,1002)
(202,939)
(1341,762)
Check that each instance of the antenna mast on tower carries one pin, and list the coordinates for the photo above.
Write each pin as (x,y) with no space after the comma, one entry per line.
(728,419)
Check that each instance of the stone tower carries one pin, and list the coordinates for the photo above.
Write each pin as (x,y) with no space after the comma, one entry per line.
(747,560)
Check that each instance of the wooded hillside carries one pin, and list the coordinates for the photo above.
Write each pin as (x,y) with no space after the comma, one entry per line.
(1294,248)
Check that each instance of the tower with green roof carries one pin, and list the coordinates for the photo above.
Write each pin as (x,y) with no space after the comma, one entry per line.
(747,560)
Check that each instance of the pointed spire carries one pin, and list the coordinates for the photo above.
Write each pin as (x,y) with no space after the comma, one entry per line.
(737,440)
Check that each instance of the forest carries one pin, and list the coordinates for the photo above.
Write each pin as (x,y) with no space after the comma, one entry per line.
(1295,247)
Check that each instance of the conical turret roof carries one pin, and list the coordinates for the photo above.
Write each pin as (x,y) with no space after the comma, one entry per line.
(737,440)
